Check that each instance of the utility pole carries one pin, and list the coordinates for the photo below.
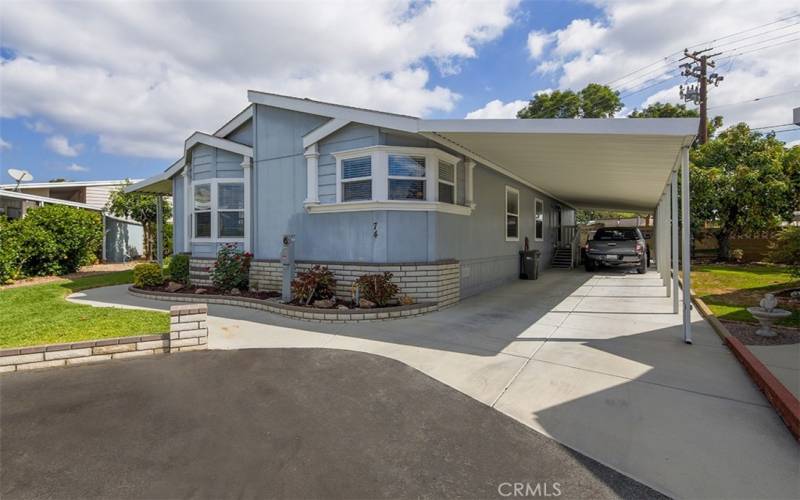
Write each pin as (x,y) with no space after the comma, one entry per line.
(697,68)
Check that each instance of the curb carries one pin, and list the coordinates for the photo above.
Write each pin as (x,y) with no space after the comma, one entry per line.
(784,402)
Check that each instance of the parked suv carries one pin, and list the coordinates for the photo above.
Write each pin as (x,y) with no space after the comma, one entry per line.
(617,246)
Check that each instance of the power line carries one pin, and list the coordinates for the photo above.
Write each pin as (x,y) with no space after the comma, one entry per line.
(665,59)
(628,94)
(756,35)
(759,42)
(754,100)
(772,126)
(759,48)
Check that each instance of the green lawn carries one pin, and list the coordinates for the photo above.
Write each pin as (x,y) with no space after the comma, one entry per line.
(39,314)
(729,289)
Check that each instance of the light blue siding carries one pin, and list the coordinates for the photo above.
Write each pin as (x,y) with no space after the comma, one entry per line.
(209,162)
(478,241)
(178,214)
(243,134)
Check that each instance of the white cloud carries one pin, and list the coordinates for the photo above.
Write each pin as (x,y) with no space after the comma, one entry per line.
(631,35)
(165,69)
(537,41)
(4,144)
(77,168)
(497,109)
(61,145)
(39,126)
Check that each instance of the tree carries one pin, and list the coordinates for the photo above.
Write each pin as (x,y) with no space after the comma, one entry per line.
(741,182)
(667,110)
(594,101)
(142,208)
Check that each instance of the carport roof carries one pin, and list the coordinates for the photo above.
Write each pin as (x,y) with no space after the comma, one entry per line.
(617,163)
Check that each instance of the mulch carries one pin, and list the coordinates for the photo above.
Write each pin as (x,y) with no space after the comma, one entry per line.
(210,290)
(746,333)
(93,270)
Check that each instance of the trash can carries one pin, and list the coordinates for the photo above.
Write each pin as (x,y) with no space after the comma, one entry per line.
(529,264)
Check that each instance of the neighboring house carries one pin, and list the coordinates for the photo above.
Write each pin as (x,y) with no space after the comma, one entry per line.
(444,204)
(92,193)
(124,239)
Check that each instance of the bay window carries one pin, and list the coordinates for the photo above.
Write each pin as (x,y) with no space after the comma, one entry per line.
(394,178)
(218,210)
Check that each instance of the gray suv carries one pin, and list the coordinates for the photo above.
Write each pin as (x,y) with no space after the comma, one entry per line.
(617,246)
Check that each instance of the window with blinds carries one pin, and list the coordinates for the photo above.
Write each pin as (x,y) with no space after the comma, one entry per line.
(357,179)
(447,182)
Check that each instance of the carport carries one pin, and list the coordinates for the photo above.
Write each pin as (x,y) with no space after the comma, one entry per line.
(617,164)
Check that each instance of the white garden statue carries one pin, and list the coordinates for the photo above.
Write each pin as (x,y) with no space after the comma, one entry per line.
(768,313)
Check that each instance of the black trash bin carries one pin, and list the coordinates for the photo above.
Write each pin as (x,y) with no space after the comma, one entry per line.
(529,264)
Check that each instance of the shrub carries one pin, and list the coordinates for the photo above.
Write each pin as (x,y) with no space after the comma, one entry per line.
(786,249)
(178,268)
(318,283)
(232,268)
(377,288)
(9,251)
(56,239)
(147,274)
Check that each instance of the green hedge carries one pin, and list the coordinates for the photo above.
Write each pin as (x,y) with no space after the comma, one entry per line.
(53,239)
(148,274)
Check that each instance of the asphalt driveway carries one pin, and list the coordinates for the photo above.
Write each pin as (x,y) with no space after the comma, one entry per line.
(291,423)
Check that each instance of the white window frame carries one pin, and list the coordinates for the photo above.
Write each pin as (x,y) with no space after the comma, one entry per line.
(215,210)
(536,215)
(424,178)
(340,180)
(454,184)
(510,189)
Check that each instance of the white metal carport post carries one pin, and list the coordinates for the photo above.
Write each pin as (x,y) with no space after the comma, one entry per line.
(673,187)
(686,239)
(159,231)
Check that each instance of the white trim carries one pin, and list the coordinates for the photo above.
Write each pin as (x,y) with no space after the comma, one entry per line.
(411,151)
(216,142)
(397,205)
(602,126)
(358,115)
(30,185)
(506,213)
(469,188)
(324,131)
(536,202)
(214,210)
(246,167)
(312,173)
(235,122)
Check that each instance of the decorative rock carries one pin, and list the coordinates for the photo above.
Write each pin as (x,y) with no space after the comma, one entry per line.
(323,304)
(406,300)
(342,307)
(173,287)
(366,304)
(200,290)
(236,291)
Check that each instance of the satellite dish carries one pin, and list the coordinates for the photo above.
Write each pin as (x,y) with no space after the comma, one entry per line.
(19,176)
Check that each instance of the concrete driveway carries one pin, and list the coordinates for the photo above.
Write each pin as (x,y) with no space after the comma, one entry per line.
(255,423)
(595,361)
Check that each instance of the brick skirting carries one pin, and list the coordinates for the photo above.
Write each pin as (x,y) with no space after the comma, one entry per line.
(188,332)
(438,282)
(296,312)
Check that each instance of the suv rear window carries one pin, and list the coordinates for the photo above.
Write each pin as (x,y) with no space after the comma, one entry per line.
(616,234)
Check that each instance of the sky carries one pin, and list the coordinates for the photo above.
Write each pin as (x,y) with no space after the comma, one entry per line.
(107,90)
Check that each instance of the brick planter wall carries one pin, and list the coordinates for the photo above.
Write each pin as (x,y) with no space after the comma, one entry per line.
(188,332)
(438,282)
(297,312)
